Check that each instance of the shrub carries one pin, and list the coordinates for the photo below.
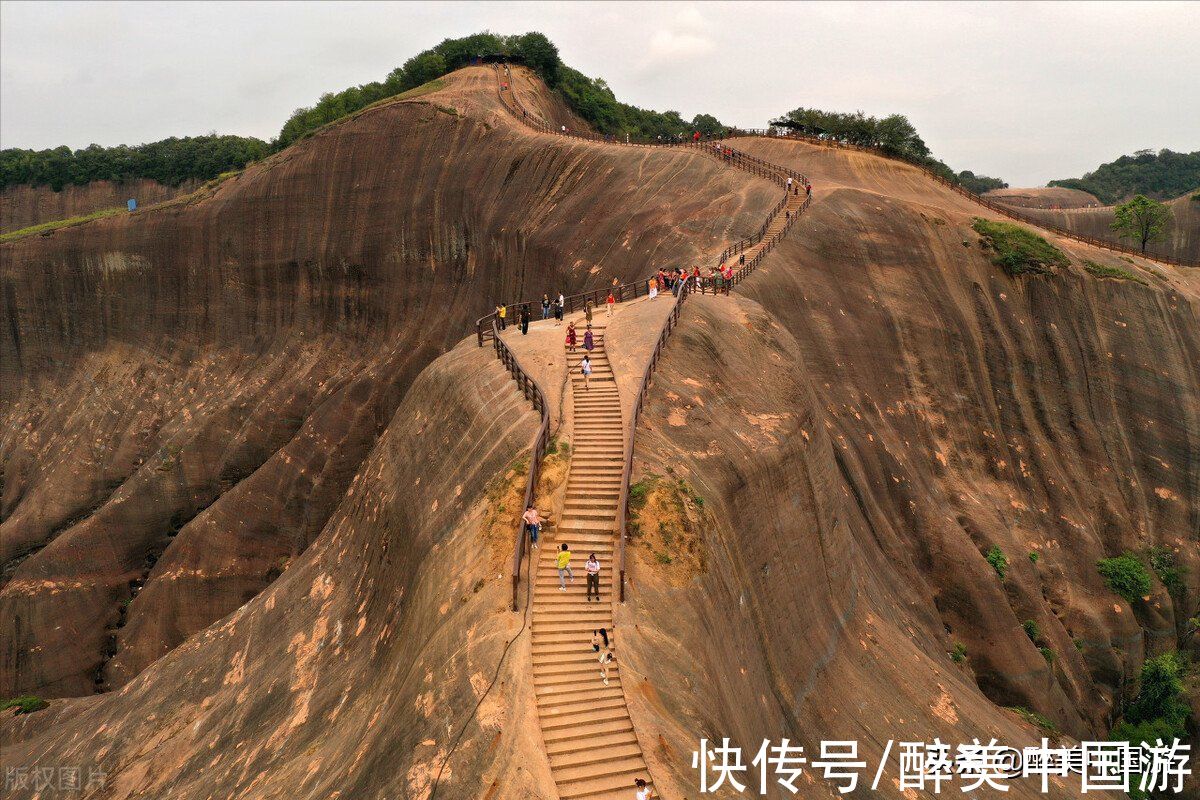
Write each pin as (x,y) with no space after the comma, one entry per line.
(1033,556)
(1019,250)
(1031,630)
(1047,654)
(638,492)
(1159,710)
(1126,576)
(998,560)
(1165,566)
(25,704)
(1117,273)
(959,653)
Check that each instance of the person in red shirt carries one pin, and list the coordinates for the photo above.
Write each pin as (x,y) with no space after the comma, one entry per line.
(609,303)
(696,136)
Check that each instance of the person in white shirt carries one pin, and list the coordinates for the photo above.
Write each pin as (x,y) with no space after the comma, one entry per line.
(592,567)
(643,791)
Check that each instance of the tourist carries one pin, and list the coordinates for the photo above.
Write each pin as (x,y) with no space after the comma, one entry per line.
(808,190)
(545,306)
(604,636)
(559,308)
(563,563)
(789,184)
(502,314)
(653,285)
(695,277)
(523,316)
(643,791)
(719,282)
(609,304)
(570,337)
(606,658)
(585,367)
(532,523)
(587,311)
(589,341)
(592,568)
(595,641)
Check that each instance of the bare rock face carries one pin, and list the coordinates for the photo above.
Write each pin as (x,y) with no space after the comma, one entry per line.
(348,673)
(23,206)
(878,409)
(1043,197)
(188,392)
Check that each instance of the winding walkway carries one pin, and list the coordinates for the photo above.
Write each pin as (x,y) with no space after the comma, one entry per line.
(590,741)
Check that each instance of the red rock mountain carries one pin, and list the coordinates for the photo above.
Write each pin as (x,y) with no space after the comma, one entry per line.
(247,456)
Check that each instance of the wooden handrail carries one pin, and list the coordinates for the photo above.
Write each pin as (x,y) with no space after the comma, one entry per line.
(999,208)
(643,388)
(533,392)
(710,146)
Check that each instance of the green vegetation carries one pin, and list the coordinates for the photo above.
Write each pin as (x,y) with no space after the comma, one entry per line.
(1031,630)
(1033,556)
(1126,576)
(1167,568)
(1118,273)
(170,162)
(25,704)
(638,492)
(1034,718)
(1047,654)
(1159,710)
(1142,219)
(959,653)
(1161,175)
(1019,250)
(979,183)
(998,560)
(61,223)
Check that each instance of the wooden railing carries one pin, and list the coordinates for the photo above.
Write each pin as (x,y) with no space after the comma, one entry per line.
(643,388)
(999,208)
(533,393)
(629,291)
(488,325)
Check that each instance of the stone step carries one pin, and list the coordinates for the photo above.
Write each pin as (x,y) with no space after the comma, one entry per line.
(567,740)
(599,773)
(615,784)
(608,715)
(566,747)
(544,683)
(581,757)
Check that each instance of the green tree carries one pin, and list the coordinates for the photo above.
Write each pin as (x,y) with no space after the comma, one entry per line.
(425,67)
(1142,219)
(540,55)
(708,125)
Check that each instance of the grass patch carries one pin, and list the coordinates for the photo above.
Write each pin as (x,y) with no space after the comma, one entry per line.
(25,704)
(54,225)
(1033,556)
(959,654)
(1116,273)
(1034,718)
(1031,630)
(1126,576)
(1019,250)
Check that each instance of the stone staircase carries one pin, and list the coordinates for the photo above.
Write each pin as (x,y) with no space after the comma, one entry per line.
(586,728)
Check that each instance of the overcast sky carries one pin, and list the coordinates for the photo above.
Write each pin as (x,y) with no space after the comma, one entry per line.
(1025,91)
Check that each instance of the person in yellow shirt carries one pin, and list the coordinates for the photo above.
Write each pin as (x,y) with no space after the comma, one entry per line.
(563,562)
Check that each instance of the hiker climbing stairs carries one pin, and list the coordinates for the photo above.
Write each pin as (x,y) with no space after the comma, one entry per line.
(589,736)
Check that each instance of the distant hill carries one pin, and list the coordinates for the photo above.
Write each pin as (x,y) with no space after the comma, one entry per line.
(1160,175)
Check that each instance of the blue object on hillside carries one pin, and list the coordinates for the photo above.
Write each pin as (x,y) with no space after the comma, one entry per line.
(132,204)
